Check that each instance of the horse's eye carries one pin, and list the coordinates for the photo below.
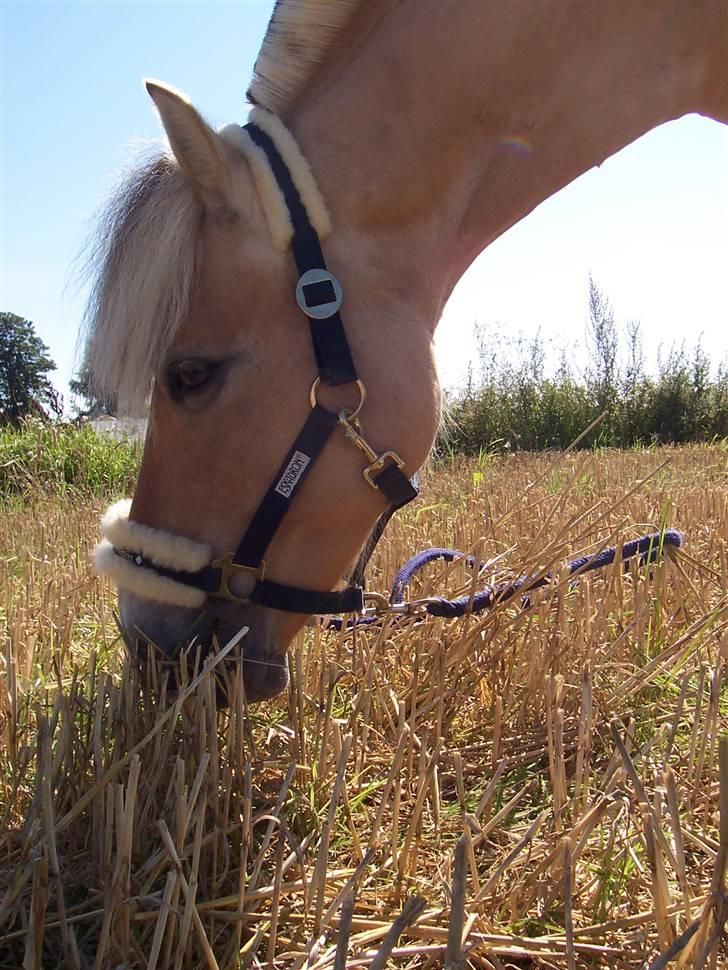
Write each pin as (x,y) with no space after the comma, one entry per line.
(189,376)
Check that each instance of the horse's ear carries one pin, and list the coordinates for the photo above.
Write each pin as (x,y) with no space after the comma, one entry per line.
(196,147)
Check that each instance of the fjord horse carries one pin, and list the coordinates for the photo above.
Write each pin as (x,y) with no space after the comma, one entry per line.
(403,111)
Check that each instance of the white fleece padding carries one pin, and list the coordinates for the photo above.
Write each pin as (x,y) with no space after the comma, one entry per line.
(144,582)
(271,197)
(163,548)
(269,193)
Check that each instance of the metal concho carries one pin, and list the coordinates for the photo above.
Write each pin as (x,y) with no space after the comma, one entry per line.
(322,310)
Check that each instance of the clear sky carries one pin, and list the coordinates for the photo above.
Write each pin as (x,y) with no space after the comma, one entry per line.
(651,224)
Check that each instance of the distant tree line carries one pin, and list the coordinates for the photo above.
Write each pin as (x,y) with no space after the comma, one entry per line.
(25,390)
(515,402)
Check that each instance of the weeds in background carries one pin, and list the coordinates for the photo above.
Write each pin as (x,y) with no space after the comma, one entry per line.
(43,458)
(514,403)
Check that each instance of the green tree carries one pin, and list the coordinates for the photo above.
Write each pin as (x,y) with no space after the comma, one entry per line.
(24,363)
(94,402)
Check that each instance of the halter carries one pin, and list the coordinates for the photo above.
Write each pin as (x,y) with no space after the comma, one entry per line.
(178,570)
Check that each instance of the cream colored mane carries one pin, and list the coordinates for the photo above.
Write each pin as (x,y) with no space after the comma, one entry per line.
(299,37)
(142,259)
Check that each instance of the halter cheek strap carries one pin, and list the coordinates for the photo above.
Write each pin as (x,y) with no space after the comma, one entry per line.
(172,569)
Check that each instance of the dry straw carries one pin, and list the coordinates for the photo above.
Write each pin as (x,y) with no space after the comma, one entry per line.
(541,787)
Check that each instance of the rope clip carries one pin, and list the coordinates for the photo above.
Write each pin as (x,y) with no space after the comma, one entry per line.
(377,462)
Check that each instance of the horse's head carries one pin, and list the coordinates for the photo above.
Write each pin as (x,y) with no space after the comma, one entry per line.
(195,300)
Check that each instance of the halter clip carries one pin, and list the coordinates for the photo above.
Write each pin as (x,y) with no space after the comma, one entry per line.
(376,462)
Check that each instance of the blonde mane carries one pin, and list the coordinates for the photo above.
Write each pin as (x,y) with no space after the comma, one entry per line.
(297,41)
(143,257)
(143,261)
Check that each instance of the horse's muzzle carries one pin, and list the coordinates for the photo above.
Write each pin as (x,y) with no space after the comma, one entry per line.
(167,631)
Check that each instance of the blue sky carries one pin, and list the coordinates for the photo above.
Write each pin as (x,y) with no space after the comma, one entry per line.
(651,224)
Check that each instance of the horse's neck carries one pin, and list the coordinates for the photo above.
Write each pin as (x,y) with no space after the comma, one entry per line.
(438,125)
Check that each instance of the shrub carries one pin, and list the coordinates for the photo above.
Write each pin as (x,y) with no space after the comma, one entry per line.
(44,457)
(517,405)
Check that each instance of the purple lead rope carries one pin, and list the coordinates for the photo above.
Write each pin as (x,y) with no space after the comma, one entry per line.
(649,548)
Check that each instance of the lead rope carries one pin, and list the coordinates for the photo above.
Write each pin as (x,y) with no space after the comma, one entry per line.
(649,548)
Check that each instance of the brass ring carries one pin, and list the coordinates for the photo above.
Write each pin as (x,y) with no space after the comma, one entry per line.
(350,415)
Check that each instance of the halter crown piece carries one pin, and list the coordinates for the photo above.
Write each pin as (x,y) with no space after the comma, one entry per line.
(180,571)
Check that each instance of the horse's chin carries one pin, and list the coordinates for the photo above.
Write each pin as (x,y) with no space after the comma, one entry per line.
(169,631)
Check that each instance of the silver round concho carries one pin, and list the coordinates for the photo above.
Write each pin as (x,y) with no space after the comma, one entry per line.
(318,293)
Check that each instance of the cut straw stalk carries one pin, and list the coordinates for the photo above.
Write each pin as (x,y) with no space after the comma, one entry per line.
(715,913)
(191,896)
(70,946)
(197,922)
(34,940)
(622,626)
(656,828)
(454,956)
(319,876)
(525,841)
(370,930)
(161,923)
(342,941)
(411,910)
(119,888)
(168,715)
(569,904)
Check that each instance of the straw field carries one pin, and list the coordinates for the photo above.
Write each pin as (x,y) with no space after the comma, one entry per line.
(531,787)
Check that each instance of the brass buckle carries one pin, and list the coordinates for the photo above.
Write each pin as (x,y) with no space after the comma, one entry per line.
(228,569)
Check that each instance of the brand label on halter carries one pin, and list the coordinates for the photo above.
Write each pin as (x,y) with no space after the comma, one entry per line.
(291,476)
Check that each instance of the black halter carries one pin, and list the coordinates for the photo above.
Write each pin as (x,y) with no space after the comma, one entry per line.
(318,294)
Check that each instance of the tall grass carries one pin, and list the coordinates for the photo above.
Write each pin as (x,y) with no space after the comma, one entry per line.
(50,458)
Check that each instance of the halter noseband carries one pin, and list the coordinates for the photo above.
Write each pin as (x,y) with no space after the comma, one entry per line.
(177,570)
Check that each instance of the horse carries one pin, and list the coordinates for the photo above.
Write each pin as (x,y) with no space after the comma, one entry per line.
(379,136)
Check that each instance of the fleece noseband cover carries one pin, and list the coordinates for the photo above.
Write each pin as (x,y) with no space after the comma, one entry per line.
(156,546)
